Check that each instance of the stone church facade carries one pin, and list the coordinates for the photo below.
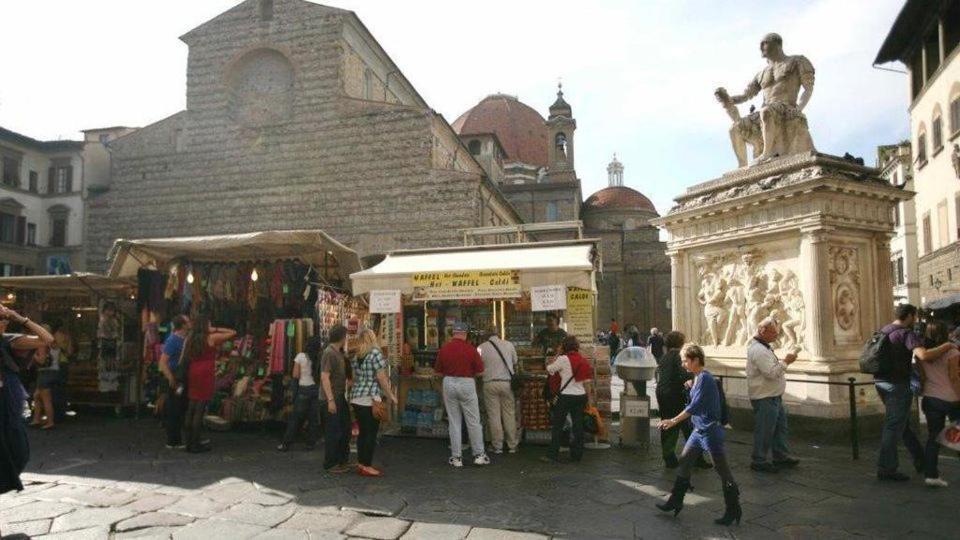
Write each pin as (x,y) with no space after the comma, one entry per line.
(295,118)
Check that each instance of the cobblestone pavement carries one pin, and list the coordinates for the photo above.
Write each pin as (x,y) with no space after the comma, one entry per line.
(100,477)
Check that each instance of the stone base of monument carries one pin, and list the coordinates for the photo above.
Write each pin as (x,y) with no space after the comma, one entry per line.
(803,239)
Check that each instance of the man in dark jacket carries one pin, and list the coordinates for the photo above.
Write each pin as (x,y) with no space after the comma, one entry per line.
(671,398)
(656,343)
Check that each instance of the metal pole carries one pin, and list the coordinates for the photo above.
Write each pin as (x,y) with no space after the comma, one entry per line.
(854,428)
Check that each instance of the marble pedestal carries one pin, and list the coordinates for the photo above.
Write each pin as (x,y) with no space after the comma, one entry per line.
(805,239)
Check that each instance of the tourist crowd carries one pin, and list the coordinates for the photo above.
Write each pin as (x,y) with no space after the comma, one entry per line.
(333,379)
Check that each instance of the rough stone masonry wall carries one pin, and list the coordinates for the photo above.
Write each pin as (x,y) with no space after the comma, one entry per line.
(360,171)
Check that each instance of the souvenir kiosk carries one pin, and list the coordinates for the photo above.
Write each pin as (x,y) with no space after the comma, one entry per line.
(419,293)
(276,288)
(72,302)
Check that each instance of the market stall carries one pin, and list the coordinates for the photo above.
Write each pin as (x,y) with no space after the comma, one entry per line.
(420,293)
(99,369)
(277,289)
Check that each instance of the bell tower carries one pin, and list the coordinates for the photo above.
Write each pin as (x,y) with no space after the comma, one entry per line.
(615,173)
(560,129)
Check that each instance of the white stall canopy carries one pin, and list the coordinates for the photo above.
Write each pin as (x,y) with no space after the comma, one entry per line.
(312,247)
(570,263)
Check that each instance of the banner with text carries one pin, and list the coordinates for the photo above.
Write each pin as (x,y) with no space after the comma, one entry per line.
(548,298)
(579,317)
(466,285)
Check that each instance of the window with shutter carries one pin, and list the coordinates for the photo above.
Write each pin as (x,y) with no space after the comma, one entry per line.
(68,188)
(59,237)
(51,180)
(8,225)
(31,234)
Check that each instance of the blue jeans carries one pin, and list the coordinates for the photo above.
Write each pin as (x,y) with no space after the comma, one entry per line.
(897,400)
(770,429)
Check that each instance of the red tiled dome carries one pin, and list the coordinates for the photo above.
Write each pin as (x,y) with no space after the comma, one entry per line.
(619,197)
(520,129)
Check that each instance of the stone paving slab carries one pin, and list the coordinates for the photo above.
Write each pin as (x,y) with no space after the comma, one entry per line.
(197,506)
(151,502)
(28,528)
(207,529)
(89,517)
(255,514)
(151,533)
(480,533)
(92,533)
(35,510)
(436,531)
(319,522)
(378,528)
(153,519)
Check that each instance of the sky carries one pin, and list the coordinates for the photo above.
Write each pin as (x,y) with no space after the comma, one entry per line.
(639,74)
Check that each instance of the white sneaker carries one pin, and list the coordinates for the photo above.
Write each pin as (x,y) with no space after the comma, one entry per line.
(496,450)
(935,482)
(455,461)
(482,459)
(512,450)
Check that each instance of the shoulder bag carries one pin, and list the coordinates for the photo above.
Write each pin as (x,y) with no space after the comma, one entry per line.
(516,383)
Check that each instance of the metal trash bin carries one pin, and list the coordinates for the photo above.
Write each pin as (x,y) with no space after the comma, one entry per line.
(635,367)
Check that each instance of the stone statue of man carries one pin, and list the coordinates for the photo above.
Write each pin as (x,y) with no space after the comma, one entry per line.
(779,127)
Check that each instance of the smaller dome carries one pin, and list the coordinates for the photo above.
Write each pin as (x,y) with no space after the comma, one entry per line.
(618,198)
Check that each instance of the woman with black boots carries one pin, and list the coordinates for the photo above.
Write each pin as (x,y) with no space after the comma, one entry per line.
(704,410)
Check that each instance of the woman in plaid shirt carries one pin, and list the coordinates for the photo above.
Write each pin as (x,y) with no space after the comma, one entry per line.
(370,383)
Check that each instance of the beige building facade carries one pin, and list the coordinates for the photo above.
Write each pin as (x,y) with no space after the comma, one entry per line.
(926,38)
(896,166)
(41,206)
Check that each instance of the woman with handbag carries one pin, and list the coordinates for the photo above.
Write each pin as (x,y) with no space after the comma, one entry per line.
(571,398)
(940,388)
(370,385)
(200,352)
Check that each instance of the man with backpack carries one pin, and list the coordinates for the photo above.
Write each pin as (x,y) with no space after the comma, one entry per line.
(888,357)
(499,371)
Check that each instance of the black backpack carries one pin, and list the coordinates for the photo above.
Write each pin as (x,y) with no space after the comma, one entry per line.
(877,356)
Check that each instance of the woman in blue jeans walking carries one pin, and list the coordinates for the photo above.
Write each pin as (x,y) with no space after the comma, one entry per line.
(941,398)
(704,410)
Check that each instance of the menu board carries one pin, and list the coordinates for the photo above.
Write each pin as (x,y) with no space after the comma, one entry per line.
(385,301)
(548,298)
(579,317)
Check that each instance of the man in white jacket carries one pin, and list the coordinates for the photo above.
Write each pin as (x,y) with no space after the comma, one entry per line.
(766,382)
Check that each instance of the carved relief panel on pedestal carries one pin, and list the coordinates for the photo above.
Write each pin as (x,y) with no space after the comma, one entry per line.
(738,289)
(845,293)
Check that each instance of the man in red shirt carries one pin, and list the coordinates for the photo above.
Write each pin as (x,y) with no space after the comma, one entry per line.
(459,363)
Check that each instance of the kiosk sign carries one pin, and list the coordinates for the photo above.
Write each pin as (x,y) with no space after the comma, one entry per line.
(548,298)
(466,285)
(385,301)
(579,316)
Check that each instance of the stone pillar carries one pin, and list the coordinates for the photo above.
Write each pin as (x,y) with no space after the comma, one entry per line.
(883,302)
(815,271)
(679,293)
